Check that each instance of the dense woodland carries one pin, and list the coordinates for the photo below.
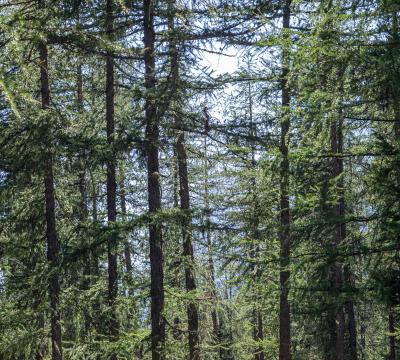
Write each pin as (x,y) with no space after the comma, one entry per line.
(154,205)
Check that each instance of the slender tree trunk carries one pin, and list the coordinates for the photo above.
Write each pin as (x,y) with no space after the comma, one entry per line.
(184,196)
(154,187)
(192,311)
(111,181)
(284,235)
(53,244)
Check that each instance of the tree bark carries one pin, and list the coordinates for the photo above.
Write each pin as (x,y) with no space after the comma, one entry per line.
(154,188)
(184,197)
(192,311)
(284,235)
(111,181)
(53,245)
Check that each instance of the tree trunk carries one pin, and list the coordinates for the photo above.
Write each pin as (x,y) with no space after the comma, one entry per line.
(184,196)
(111,182)
(154,188)
(284,235)
(192,311)
(53,245)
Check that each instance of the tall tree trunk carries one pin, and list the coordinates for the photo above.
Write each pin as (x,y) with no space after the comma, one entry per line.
(111,181)
(184,196)
(53,245)
(154,187)
(192,311)
(284,235)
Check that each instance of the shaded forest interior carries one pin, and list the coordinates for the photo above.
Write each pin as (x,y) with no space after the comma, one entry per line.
(203,179)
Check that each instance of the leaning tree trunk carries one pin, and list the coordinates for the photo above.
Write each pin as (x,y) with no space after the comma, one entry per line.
(111,182)
(284,235)
(53,244)
(154,187)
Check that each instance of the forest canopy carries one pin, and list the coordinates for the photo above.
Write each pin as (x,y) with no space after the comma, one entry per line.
(203,179)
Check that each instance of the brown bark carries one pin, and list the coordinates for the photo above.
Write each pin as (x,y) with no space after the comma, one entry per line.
(154,188)
(53,245)
(192,311)
(111,181)
(184,197)
(284,235)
